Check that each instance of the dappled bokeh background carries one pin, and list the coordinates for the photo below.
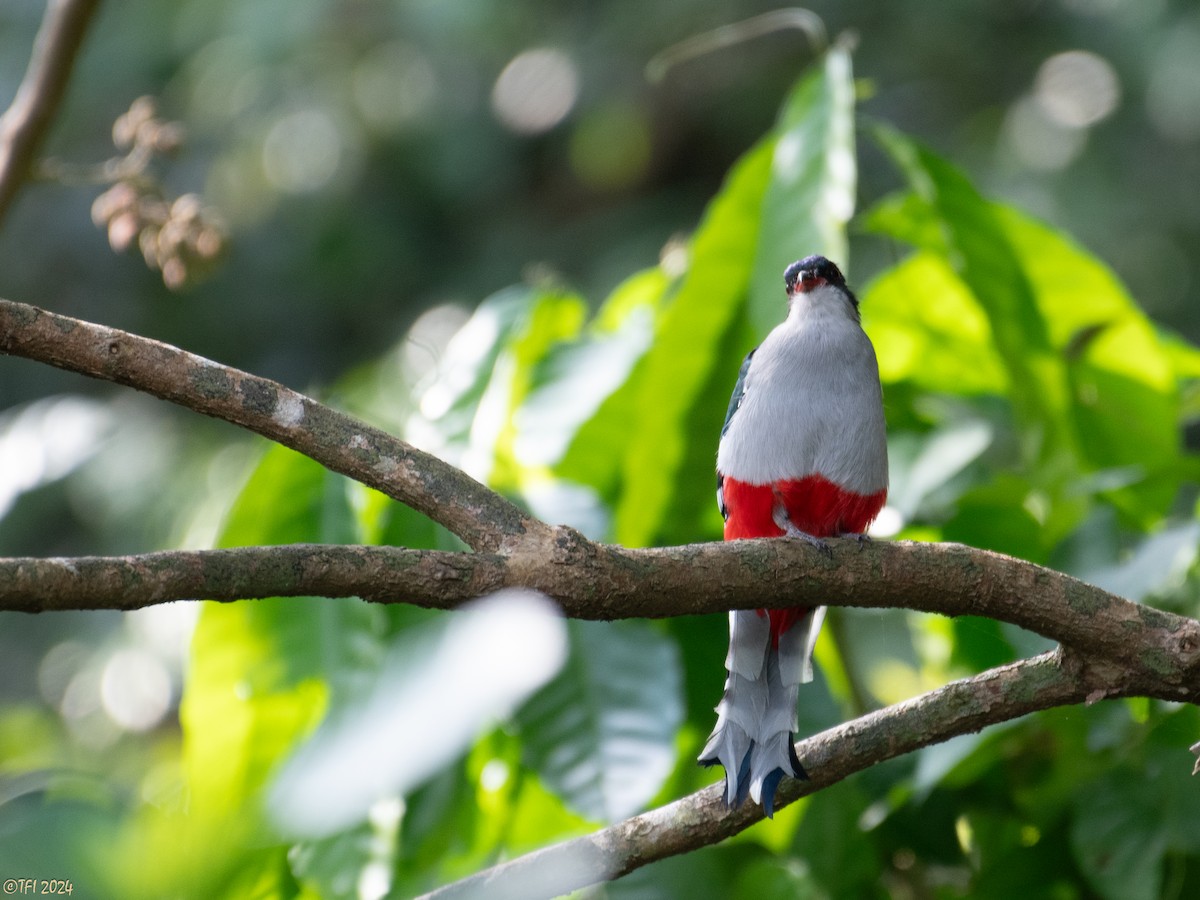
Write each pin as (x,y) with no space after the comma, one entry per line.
(380,168)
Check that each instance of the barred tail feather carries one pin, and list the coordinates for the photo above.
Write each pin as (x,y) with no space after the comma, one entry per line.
(756,718)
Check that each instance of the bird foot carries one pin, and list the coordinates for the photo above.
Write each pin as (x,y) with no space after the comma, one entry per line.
(861,537)
(816,543)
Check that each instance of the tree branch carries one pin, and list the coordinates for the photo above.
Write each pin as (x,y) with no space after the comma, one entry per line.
(1051,679)
(25,123)
(603,581)
(482,518)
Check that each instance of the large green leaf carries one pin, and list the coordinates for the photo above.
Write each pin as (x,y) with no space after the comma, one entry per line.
(438,689)
(602,734)
(1094,388)
(1126,399)
(929,330)
(947,216)
(839,854)
(466,411)
(1118,837)
(566,444)
(810,193)
(521,378)
(1127,783)
(596,452)
(686,351)
(260,674)
(574,378)
(793,187)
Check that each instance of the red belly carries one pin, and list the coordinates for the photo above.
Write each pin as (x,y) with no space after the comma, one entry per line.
(814,504)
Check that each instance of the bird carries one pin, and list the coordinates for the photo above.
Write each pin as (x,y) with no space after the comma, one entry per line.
(803,455)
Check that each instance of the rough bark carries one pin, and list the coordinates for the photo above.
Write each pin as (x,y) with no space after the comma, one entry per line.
(602,581)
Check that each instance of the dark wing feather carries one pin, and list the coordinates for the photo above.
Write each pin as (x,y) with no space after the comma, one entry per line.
(739,391)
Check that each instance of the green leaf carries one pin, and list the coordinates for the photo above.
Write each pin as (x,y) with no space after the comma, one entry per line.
(437,827)
(686,351)
(466,410)
(433,696)
(260,674)
(790,188)
(1017,859)
(1117,837)
(602,734)
(571,381)
(929,330)
(950,218)
(1184,356)
(596,453)
(810,193)
(840,856)
(1092,383)
(1158,564)
(1000,516)
(518,382)
(922,466)
(1126,405)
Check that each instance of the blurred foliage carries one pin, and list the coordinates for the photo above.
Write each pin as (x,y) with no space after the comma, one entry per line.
(1033,408)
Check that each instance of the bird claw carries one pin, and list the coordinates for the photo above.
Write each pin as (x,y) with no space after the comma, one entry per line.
(815,542)
(860,537)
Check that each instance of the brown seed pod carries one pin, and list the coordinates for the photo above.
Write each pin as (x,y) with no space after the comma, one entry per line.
(122,229)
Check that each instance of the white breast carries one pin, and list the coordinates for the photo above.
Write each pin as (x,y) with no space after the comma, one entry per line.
(812,402)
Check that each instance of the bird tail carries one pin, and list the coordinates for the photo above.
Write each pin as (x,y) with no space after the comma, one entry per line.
(756,717)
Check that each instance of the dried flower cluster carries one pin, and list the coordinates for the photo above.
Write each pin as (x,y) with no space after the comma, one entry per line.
(179,237)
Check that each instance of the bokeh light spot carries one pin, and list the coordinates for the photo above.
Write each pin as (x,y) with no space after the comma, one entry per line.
(888,523)
(46,440)
(135,690)
(1039,141)
(535,91)
(426,342)
(302,151)
(60,664)
(494,775)
(393,85)
(674,256)
(1077,88)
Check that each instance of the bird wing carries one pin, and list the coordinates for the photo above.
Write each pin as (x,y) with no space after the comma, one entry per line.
(739,391)
(735,400)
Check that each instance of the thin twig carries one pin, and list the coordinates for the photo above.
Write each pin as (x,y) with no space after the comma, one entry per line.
(803,20)
(24,125)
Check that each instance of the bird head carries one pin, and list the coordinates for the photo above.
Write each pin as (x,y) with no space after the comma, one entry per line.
(814,272)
